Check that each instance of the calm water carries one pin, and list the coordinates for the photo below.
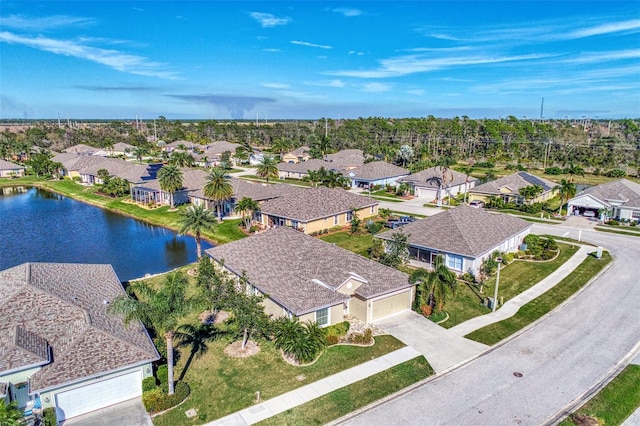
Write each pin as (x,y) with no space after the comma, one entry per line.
(39,226)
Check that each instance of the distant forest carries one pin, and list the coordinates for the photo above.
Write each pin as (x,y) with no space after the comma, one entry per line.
(598,146)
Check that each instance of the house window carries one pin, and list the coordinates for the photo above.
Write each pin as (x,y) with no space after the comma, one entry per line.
(295,224)
(335,219)
(349,216)
(454,262)
(322,317)
(372,209)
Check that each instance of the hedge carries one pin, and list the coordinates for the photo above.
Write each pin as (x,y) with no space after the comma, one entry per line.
(157,400)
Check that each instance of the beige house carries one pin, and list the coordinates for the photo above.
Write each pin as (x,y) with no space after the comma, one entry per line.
(508,188)
(8,169)
(302,276)
(316,209)
(298,155)
(430,184)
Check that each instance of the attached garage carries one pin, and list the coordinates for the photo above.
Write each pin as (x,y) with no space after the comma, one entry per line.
(98,395)
(391,305)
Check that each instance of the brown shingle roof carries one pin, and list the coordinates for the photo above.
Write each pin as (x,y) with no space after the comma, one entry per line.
(425,178)
(133,173)
(514,182)
(303,273)
(254,190)
(64,304)
(376,170)
(465,230)
(6,165)
(315,203)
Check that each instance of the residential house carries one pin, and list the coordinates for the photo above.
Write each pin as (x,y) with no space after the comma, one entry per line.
(464,236)
(620,198)
(73,163)
(8,169)
(59,347)
(300,170)
(150,192)
(257,191)
(341,161)
(316,209)
(376,173)
(298,155)
(211,155)
(507,188)
(302,276)
(132,173)
(430,184)
(118,149)
(81,149)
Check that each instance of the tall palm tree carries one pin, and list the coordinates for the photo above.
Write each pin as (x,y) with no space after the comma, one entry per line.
(197,219)
(467,170)
(436,285)
(247,207)
(160,309)
(170,178)
(268,168)
(567,190)
(218,188)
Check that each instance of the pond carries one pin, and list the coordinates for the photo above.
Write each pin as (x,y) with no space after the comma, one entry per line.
(40,226)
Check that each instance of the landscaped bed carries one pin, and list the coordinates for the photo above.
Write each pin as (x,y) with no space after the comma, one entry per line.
(221,385)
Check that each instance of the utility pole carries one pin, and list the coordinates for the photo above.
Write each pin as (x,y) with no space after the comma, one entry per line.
(542,109)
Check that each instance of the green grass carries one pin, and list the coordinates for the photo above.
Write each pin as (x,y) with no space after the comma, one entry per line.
(27,180)
(546,215)
(359,244)
(221,385)
(515,278)
(616,401)
(618,230)
(543,304)
(384,194)
(352,397)
(389,200)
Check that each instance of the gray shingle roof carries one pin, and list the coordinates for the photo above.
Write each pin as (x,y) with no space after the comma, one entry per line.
(133,173)
(314,164)
(465,230)
(315,203)
(283,263)
(254,190)
(513,182)
(6,165)
(376,170)
(620,190)
(63,304)
(77,162)
(424,178)
(192,180)
(81,149)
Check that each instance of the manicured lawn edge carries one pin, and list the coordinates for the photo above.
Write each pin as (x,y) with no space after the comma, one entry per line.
(357,395)
(616,401)
(585,273)
(618,231)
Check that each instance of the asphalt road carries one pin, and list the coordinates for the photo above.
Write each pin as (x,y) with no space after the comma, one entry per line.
(560,358)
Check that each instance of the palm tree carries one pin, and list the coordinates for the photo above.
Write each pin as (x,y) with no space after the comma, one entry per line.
(574,170)
(197,337)
(247,208)
(218,188)
(467,170)
(170,178)
(436,285)
(567,190)
(160,309)
(197,219)
(268,168)
(140,152)
(530,192)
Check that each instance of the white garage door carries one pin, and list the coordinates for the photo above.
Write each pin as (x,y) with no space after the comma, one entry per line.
(391,305)
(98,395)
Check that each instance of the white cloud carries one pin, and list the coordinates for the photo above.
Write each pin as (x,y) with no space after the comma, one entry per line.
(347,11)
(268,20)
(327,83)
(276,85)
(417,92)
(608,28)
(40,24)
(376,87)
(123,62)
(598,57)
(306,43)
(271,50)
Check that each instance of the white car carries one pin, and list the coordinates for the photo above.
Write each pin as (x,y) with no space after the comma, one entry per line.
(477,204)
(589,213)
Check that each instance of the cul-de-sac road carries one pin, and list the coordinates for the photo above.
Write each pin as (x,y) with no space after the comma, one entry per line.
(560,358)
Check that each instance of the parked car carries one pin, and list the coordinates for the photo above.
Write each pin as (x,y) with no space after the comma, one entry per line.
(401,221)
(477,204)
(589,213)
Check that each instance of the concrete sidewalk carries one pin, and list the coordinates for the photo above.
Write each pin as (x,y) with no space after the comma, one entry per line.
(314,390)
(513,305)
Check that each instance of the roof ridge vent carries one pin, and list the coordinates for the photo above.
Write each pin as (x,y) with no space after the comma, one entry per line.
(317,281)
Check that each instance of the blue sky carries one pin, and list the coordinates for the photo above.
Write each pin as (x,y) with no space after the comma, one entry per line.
(306,59)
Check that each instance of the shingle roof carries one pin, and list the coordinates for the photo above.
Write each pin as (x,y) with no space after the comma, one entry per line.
(6,165)
(192,180)
(81,149)
(291,268)
(513,182)
(64,305)
(77,162)
(315,203)
(314,164)
(620,190)
(254,190)
(376,170)
(465,230)
(133,173)
(425,178)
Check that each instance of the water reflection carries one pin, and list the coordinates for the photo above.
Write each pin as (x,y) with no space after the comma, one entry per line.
(39,226)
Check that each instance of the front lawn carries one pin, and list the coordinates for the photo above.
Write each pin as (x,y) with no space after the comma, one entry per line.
(221,385)
(615,402)
(543,304)
(350,398)
(515,278)
(359,244)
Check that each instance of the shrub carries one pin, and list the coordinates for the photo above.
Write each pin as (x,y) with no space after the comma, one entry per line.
(148,384)
(157,399)
(374,227)
(254,229)
(550,244)
(49,417)
(532,240)
(468,277)
(339,329)
(485,165)
(613,222)
(617,173)
(553,171)
(363,339)
(331,339)
(163,374)
(302,341)
(426,310)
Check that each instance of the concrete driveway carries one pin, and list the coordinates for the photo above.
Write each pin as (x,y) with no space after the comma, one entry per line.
(129,413)
(440,347)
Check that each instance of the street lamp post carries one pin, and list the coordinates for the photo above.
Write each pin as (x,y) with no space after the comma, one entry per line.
(495,291)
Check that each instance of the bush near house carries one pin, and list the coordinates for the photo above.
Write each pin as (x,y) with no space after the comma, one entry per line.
(335,332)
(49,417)
(156,399)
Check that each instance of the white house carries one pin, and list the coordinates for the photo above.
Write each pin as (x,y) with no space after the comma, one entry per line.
(621,198)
